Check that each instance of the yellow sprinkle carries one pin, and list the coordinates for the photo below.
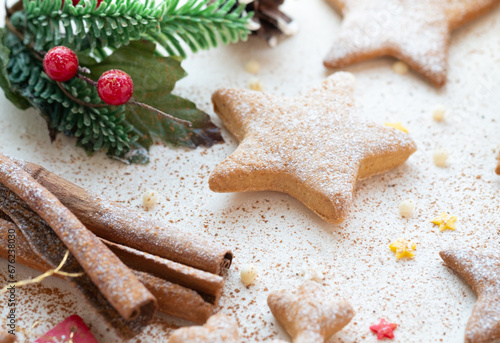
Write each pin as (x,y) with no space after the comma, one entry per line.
(445,222)
(403,248)
(398,126)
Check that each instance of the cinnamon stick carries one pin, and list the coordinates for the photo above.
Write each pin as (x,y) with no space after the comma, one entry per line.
(7,337)
(117,224)
(24,254)
(36,230)
(34,235)
(176,300)
(42,240)
(209,285)
(113,279)
(28,253)
(172,299)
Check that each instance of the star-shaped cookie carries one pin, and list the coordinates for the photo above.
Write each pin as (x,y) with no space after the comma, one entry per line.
(218,329)
(416,32)
(481,270)
(307,313)
(312,147)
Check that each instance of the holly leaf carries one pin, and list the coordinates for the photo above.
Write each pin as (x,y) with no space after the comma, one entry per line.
(154,79)
(17,99)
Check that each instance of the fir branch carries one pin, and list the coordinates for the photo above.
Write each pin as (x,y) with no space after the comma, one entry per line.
(114,23)
(196,24)
(200,26)
(95,128)
(108,37)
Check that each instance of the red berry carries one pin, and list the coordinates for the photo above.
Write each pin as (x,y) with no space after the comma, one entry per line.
(75,2)
(115,87)
(60,63)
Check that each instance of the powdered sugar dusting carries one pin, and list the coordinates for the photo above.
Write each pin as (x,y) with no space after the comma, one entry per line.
(218,329)
(314,142)
(309,313)
(460,12)
(481,269)
(277,233)
(107,272)
(416,32)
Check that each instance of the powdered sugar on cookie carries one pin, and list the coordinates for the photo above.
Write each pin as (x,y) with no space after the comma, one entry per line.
(416,32)
(312,147)
(482,271)
(308,314)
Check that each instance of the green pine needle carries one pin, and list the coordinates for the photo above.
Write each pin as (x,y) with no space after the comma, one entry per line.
(96,129)
(194,25)
(114,33)
(200,26)
(113,24)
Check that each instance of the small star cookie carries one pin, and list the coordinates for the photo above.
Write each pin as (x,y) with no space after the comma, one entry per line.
(219,328)
(481,270)
(312,147)
(416,32)
(307,314)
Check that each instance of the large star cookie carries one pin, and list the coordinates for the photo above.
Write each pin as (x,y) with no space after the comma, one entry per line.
(481,270)
(416,32)
(312,147)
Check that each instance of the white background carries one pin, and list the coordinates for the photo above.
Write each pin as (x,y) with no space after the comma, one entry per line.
(276,232)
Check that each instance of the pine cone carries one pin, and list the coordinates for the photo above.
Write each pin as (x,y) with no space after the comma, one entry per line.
(273,23)
(270,22)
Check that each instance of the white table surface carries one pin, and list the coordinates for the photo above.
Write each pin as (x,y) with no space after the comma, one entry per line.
(276,232)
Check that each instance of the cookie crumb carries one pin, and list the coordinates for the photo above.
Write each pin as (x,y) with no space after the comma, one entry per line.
(253,67)
(273,42)
(440,157)
(312,271)
(406,208)
(150,199)
(400,68)
(256,85)
(248,274)
(439,112)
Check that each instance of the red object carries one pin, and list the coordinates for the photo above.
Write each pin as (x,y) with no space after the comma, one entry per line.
(60,63)
(71,328)
(115,87)
(75,2)
(384,329)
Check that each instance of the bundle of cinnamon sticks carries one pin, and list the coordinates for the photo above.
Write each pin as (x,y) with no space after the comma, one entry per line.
(130,266)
